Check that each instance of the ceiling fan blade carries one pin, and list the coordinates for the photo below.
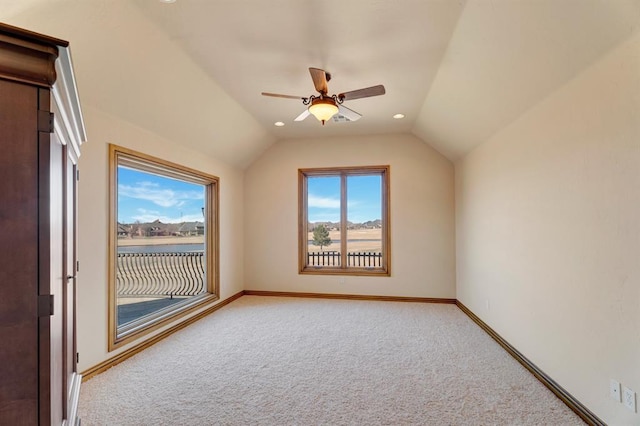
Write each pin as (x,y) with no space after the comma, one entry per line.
(277,95)
(319,78)
(362,93)
(349,113)
(302,116)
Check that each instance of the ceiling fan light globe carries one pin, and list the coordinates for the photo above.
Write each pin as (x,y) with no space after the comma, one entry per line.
(323,109)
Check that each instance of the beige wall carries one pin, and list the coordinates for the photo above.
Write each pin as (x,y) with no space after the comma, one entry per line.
(422,216)
(548,232)
(103,129)
(128,67)
(158,88)
(547,222)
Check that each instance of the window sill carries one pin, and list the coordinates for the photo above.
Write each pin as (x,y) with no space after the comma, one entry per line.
(138,329)
(367,272)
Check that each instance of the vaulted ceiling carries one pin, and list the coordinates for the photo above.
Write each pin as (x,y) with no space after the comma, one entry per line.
(193,70)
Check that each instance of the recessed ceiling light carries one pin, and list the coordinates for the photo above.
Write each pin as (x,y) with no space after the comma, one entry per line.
(398,116)
(167,1)
(278,124)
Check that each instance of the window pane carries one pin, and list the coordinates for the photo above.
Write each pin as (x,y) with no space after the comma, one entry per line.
(323,218)
(364,221)
(344,215)
(160,260)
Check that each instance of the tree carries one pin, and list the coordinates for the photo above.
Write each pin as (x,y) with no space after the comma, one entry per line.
(321,236)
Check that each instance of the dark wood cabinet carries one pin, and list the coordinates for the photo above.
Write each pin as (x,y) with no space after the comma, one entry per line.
(41,130)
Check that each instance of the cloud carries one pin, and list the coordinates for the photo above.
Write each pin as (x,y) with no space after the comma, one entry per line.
(152,192)
(148,217)
(323,202)
(148,212)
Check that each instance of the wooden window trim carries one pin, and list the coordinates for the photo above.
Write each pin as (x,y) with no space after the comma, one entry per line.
(303,174)
(153,164)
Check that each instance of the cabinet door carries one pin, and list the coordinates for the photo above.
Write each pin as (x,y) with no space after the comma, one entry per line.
(62,267)
(69,309)
(19,374)
(57,281)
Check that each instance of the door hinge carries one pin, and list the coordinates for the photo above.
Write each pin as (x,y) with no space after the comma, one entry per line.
(78,175)
(77,357)
(45,305)
(45,121)
(77,266)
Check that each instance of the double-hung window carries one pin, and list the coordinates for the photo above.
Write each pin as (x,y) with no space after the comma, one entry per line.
(344,221)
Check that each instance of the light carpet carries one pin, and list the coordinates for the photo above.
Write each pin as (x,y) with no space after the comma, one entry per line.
(295,361)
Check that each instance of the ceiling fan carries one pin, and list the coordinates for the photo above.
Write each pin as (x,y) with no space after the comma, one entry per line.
(325,106)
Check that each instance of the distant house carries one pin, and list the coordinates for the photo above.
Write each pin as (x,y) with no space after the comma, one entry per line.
(157,229)
(190,229)
(123,231)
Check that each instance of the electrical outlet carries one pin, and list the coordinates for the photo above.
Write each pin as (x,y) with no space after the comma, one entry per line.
(614,390)
(629,399)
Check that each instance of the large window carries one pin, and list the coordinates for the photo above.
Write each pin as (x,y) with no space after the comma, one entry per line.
(163,247)
(344,221)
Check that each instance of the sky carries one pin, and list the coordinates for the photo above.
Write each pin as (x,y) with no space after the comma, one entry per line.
(364,201)
(146,197)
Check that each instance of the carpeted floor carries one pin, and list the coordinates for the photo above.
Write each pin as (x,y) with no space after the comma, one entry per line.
(294,361)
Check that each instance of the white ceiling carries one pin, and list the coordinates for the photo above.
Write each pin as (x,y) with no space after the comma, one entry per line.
(253,46)
(193,70)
